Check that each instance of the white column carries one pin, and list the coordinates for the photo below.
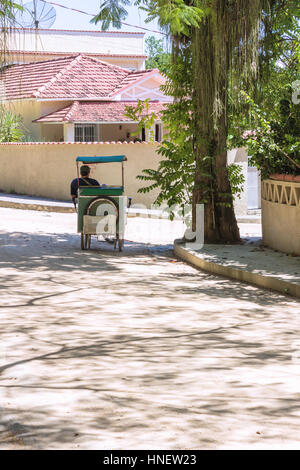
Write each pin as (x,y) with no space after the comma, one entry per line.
(141,65)
(99,133)
(150,133)
(69,132)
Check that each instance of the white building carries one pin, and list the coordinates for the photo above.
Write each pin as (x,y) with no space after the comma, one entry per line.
(118,48)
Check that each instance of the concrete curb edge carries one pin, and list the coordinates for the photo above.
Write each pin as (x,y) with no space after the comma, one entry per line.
(36,207)
(267,282)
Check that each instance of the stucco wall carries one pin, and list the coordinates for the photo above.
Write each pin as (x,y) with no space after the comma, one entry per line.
(28,110)
(42,169)
(281,215)
(239,156)
(48,107)
(52,132)
(112,132)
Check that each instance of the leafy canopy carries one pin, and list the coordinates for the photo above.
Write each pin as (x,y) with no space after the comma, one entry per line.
(158,58)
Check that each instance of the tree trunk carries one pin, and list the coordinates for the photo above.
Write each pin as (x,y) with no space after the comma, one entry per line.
(212,185)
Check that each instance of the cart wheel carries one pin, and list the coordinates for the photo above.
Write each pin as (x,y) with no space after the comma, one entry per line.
(82,241)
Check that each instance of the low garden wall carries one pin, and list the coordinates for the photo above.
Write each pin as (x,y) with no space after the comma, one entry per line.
(281,215)
(47,168)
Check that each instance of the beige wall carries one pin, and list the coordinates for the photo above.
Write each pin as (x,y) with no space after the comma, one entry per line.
(112,132)
(28,110)
(48,107)
(47,169)
(52,132)
(281,215)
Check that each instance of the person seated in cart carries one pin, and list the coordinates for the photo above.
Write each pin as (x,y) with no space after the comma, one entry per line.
(85,180)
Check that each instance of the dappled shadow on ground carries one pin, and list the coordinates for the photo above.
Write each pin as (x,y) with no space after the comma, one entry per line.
(254,257)
(102,349)
(43,254)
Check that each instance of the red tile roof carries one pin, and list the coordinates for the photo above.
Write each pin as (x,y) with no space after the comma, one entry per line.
(80,77)
(97,111)
(22,81)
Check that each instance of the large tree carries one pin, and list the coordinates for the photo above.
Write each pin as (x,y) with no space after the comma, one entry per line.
(224,37)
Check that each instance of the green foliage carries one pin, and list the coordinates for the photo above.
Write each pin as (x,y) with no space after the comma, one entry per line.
(7,8)
(177,17)
(7,15)
(142,116)
(236,178)
(272,138)
(157,57)
(175,174)
(174,177)
(218,46)
(10,130)
(112,12)
(267,120)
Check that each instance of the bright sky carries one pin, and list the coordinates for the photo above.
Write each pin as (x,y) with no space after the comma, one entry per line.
(67,19)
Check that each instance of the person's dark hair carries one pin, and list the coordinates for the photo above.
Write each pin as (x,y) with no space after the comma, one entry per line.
(85,170)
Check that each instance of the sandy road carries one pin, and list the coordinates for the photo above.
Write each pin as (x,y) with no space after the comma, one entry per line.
(135,350)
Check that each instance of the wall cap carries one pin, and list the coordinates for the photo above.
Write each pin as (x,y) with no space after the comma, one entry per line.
(78,143)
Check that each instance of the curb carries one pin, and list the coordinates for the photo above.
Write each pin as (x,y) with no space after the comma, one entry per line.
(65,209)
(248,220)
(267,282)
(36,207)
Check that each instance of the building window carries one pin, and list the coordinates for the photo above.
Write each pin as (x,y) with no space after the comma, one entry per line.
(85,133)
(143,135)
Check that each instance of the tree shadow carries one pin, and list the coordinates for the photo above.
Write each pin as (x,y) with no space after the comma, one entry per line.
(136,349)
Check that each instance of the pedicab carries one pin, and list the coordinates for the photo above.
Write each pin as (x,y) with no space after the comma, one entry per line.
(101,209)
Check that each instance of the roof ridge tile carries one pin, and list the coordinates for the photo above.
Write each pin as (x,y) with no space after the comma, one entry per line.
(57,76)
(37,62)
(73,108)
(106,63)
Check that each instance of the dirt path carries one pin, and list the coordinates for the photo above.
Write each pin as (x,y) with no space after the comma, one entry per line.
(132,350)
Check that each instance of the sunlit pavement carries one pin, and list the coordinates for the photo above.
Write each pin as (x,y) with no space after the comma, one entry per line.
(137,350)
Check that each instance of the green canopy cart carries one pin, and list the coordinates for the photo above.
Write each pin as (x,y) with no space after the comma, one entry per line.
(101,209)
